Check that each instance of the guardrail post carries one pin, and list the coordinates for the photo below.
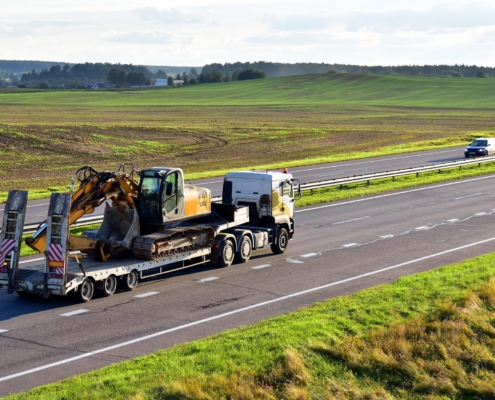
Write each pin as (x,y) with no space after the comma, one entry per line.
(417,174)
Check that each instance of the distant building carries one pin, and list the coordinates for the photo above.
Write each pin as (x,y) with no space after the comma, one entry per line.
(98,86)
(178,82)
(161,82)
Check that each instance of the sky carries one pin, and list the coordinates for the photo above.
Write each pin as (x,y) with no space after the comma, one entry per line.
(199,32)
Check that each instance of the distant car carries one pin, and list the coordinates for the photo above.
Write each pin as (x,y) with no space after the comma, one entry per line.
(480,147)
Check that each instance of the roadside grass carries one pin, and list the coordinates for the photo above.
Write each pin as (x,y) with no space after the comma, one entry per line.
(429,335)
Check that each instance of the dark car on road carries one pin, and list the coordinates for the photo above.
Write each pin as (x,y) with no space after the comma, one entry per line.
(480,147)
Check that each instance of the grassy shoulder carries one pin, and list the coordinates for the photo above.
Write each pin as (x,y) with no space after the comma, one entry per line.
(430,334)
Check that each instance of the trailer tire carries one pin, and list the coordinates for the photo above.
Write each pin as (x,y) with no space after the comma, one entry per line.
(282,242)
(109,285)
(85,291)
(227,254)
(130,281)
(245,250)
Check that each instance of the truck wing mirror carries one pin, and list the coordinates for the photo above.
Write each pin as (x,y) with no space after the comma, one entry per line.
(296,182)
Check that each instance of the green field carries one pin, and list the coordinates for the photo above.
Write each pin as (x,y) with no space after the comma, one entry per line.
(309,90)
(209,129)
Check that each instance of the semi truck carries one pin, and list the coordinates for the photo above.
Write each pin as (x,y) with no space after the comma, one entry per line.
(155,226)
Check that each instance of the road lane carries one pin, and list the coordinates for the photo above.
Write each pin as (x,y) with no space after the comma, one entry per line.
(411,231)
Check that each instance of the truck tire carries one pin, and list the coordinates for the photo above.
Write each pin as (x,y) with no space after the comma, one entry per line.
(227,254)
(282,242)
(85,291)
(109,285)
(130,281)
(245,250)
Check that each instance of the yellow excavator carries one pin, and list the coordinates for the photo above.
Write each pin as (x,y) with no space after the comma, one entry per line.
(153,206)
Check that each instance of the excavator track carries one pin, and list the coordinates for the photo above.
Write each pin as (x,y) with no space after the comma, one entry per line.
(172,241)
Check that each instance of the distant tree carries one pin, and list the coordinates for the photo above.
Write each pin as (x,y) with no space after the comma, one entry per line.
(55,69)
(43,85)
(161,74)
(192,81)
(22,86)
(250,74)
(481,75)
(178,76)
(193,73)
(185,79)
(227,77)
(170,81)
(216,76)
(136,78)
(117,77)
(235,75)
(457,74)
(66,68)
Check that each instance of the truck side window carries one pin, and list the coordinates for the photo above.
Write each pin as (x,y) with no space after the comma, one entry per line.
(286,189)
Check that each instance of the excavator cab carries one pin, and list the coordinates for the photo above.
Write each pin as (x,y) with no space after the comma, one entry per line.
(164,199)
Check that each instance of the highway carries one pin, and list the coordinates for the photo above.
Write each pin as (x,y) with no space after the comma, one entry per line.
(338,248)
(37,209)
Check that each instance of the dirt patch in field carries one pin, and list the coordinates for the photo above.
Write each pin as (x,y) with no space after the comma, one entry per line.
(43,146)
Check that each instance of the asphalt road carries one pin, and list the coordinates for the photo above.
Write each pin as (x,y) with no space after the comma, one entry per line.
(37,209)
(339,248)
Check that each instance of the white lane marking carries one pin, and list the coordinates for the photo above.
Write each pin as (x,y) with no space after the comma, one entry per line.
(147,294)
(350,245)
(292,261)
(394,194)
(422,228)
(453,220)
(75,312)
(311,255)
(386,236)
(212,278)
(262,266)
(465,197)
(238,311)
(480,214)
(28,261)
(3,330)
(350,220)
(375,161)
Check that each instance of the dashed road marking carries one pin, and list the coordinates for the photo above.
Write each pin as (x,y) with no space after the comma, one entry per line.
(3,330)
(421,228)
(262,266)
(453,220)
(290,260)
(310,255)
(350,220)
(387,236)
(75,312)
(140,296)
(350,245)
(471,195)
(212,278)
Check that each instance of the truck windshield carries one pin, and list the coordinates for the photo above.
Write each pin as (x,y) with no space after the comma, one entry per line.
(479,143)
(149,202)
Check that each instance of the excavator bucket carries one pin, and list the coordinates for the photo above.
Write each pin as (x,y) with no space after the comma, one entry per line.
(118,229)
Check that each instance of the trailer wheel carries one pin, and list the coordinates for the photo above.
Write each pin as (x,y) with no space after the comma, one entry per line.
(130,281)
(109,285)
(245,250)
(227,253)
(282,242)
(85,291)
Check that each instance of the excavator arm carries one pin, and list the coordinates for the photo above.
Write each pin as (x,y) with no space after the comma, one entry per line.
(94,189)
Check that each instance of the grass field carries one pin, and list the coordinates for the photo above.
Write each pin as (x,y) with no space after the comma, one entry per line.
(208,129)
(425,336)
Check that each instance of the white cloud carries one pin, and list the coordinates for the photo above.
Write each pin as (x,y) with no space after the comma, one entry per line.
(168,16)
(154,37)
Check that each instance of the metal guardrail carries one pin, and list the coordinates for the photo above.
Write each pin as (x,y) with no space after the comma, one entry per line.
(93,219)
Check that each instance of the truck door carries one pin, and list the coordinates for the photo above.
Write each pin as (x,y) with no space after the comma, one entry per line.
(288,197)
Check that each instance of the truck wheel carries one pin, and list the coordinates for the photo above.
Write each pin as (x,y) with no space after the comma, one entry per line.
(130,281)
(85,291)
(227,254)
(109,285)
(282,242)
(245,250)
